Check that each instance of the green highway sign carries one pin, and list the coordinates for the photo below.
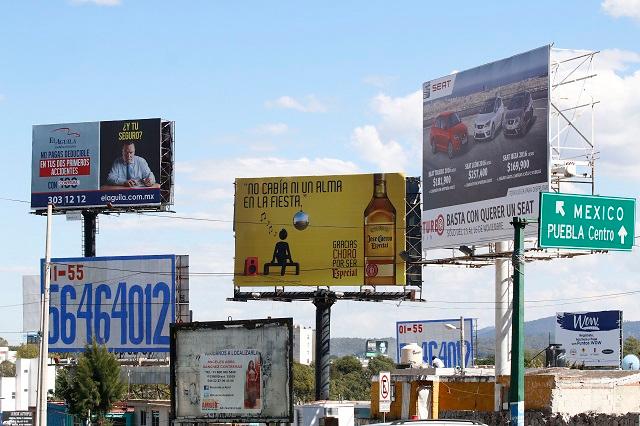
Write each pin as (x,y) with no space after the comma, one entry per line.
(586,222)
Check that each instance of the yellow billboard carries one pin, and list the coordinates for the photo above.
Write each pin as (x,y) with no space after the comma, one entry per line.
(320,230)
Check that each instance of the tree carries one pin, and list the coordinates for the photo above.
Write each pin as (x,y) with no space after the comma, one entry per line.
(380,363)
(3,342)
(93,386)
(28,350)
(7,369)
(631,346)
(349,380)
(303,383)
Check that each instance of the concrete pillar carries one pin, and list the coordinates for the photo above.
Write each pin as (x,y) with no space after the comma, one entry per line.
(503,312)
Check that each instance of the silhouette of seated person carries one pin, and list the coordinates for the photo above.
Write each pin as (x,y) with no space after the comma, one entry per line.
(282,256)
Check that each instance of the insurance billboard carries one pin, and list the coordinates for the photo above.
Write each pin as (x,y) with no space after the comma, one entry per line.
(124,302)
(320,230)
(485,150)
(115,164)
(440,338)
(232,371)
(590,339)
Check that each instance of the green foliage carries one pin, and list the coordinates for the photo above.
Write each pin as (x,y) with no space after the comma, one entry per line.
(156,391)
(350,381)
(3,342)
(303,383)
(380,363)
(530,362)
(488,360)
(93,386)
(631,346)
(28,350)
(7,369)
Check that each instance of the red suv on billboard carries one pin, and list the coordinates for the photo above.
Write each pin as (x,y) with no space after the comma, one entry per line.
(448,133)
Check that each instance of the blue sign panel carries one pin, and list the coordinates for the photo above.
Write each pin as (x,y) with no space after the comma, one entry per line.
(126,303)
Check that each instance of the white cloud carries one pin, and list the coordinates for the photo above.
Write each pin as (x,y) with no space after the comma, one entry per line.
(401,116)
(99,2)
(622,8)
(272,129)
(387,156)
(379,81)
(309,104)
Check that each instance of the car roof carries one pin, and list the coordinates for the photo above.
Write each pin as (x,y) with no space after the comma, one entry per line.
(446,113)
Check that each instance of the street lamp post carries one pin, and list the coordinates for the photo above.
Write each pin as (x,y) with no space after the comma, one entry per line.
(462,345)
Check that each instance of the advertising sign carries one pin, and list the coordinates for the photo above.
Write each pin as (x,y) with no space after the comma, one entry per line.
(377,347)
(440,338)
(485,150)
(18,418)
(236,371)
(320,230)
(96,164)
(384,387)
(586,222)
(126,302)
(591,339)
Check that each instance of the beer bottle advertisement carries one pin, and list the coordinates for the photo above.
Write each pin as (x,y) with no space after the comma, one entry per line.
(330,230)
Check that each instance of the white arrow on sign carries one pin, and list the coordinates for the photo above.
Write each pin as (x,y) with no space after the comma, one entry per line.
(560,207)
(622,233)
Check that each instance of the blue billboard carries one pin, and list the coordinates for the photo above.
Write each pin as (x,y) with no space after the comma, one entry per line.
(126,303)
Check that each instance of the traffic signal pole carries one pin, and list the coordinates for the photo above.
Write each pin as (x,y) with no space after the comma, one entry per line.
(516,388)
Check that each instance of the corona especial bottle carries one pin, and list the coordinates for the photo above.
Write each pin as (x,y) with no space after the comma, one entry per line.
(379,236)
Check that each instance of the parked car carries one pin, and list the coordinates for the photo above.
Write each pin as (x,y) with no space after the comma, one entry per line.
(433,422)
(519,115)
(448,134)
(489,119)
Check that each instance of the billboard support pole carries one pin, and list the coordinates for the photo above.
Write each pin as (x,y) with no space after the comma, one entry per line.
(516,388)
(89,219)
(323,300)
(44,327)
(502,320)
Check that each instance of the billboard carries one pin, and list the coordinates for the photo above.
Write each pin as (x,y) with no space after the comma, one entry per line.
(320,230)
(591,339)
(124,302)
(115,164)
(18,418)
(439,338)
(485,150)
(232,371)
(376,347)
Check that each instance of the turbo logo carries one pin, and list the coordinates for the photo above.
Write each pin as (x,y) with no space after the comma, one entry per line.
(430,226)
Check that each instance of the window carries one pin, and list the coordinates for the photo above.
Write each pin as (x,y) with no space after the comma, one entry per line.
(155,418)
(26,371)
(13,395)
(143,418)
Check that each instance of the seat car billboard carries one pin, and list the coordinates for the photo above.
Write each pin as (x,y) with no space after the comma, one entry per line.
(320,230)
(485,150)
(232,371)
(115,164)
(124,302)
(590,339)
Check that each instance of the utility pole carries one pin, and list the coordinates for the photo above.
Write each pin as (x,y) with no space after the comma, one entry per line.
(44,327)
(516,388)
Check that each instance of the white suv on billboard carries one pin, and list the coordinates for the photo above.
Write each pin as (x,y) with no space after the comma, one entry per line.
(489,119)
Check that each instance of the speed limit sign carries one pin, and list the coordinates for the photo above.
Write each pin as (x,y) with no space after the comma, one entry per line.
(384,382)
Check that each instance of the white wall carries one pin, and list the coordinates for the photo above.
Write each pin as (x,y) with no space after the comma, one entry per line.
(303,344)
(27,382)
(7,387)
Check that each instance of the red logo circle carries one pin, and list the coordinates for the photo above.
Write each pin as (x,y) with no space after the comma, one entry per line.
(440,224)
(372,270)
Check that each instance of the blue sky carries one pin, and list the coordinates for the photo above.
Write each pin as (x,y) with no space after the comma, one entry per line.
(278,88)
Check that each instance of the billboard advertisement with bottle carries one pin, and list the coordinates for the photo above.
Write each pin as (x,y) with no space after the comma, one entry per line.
(320,230)
(485,150)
